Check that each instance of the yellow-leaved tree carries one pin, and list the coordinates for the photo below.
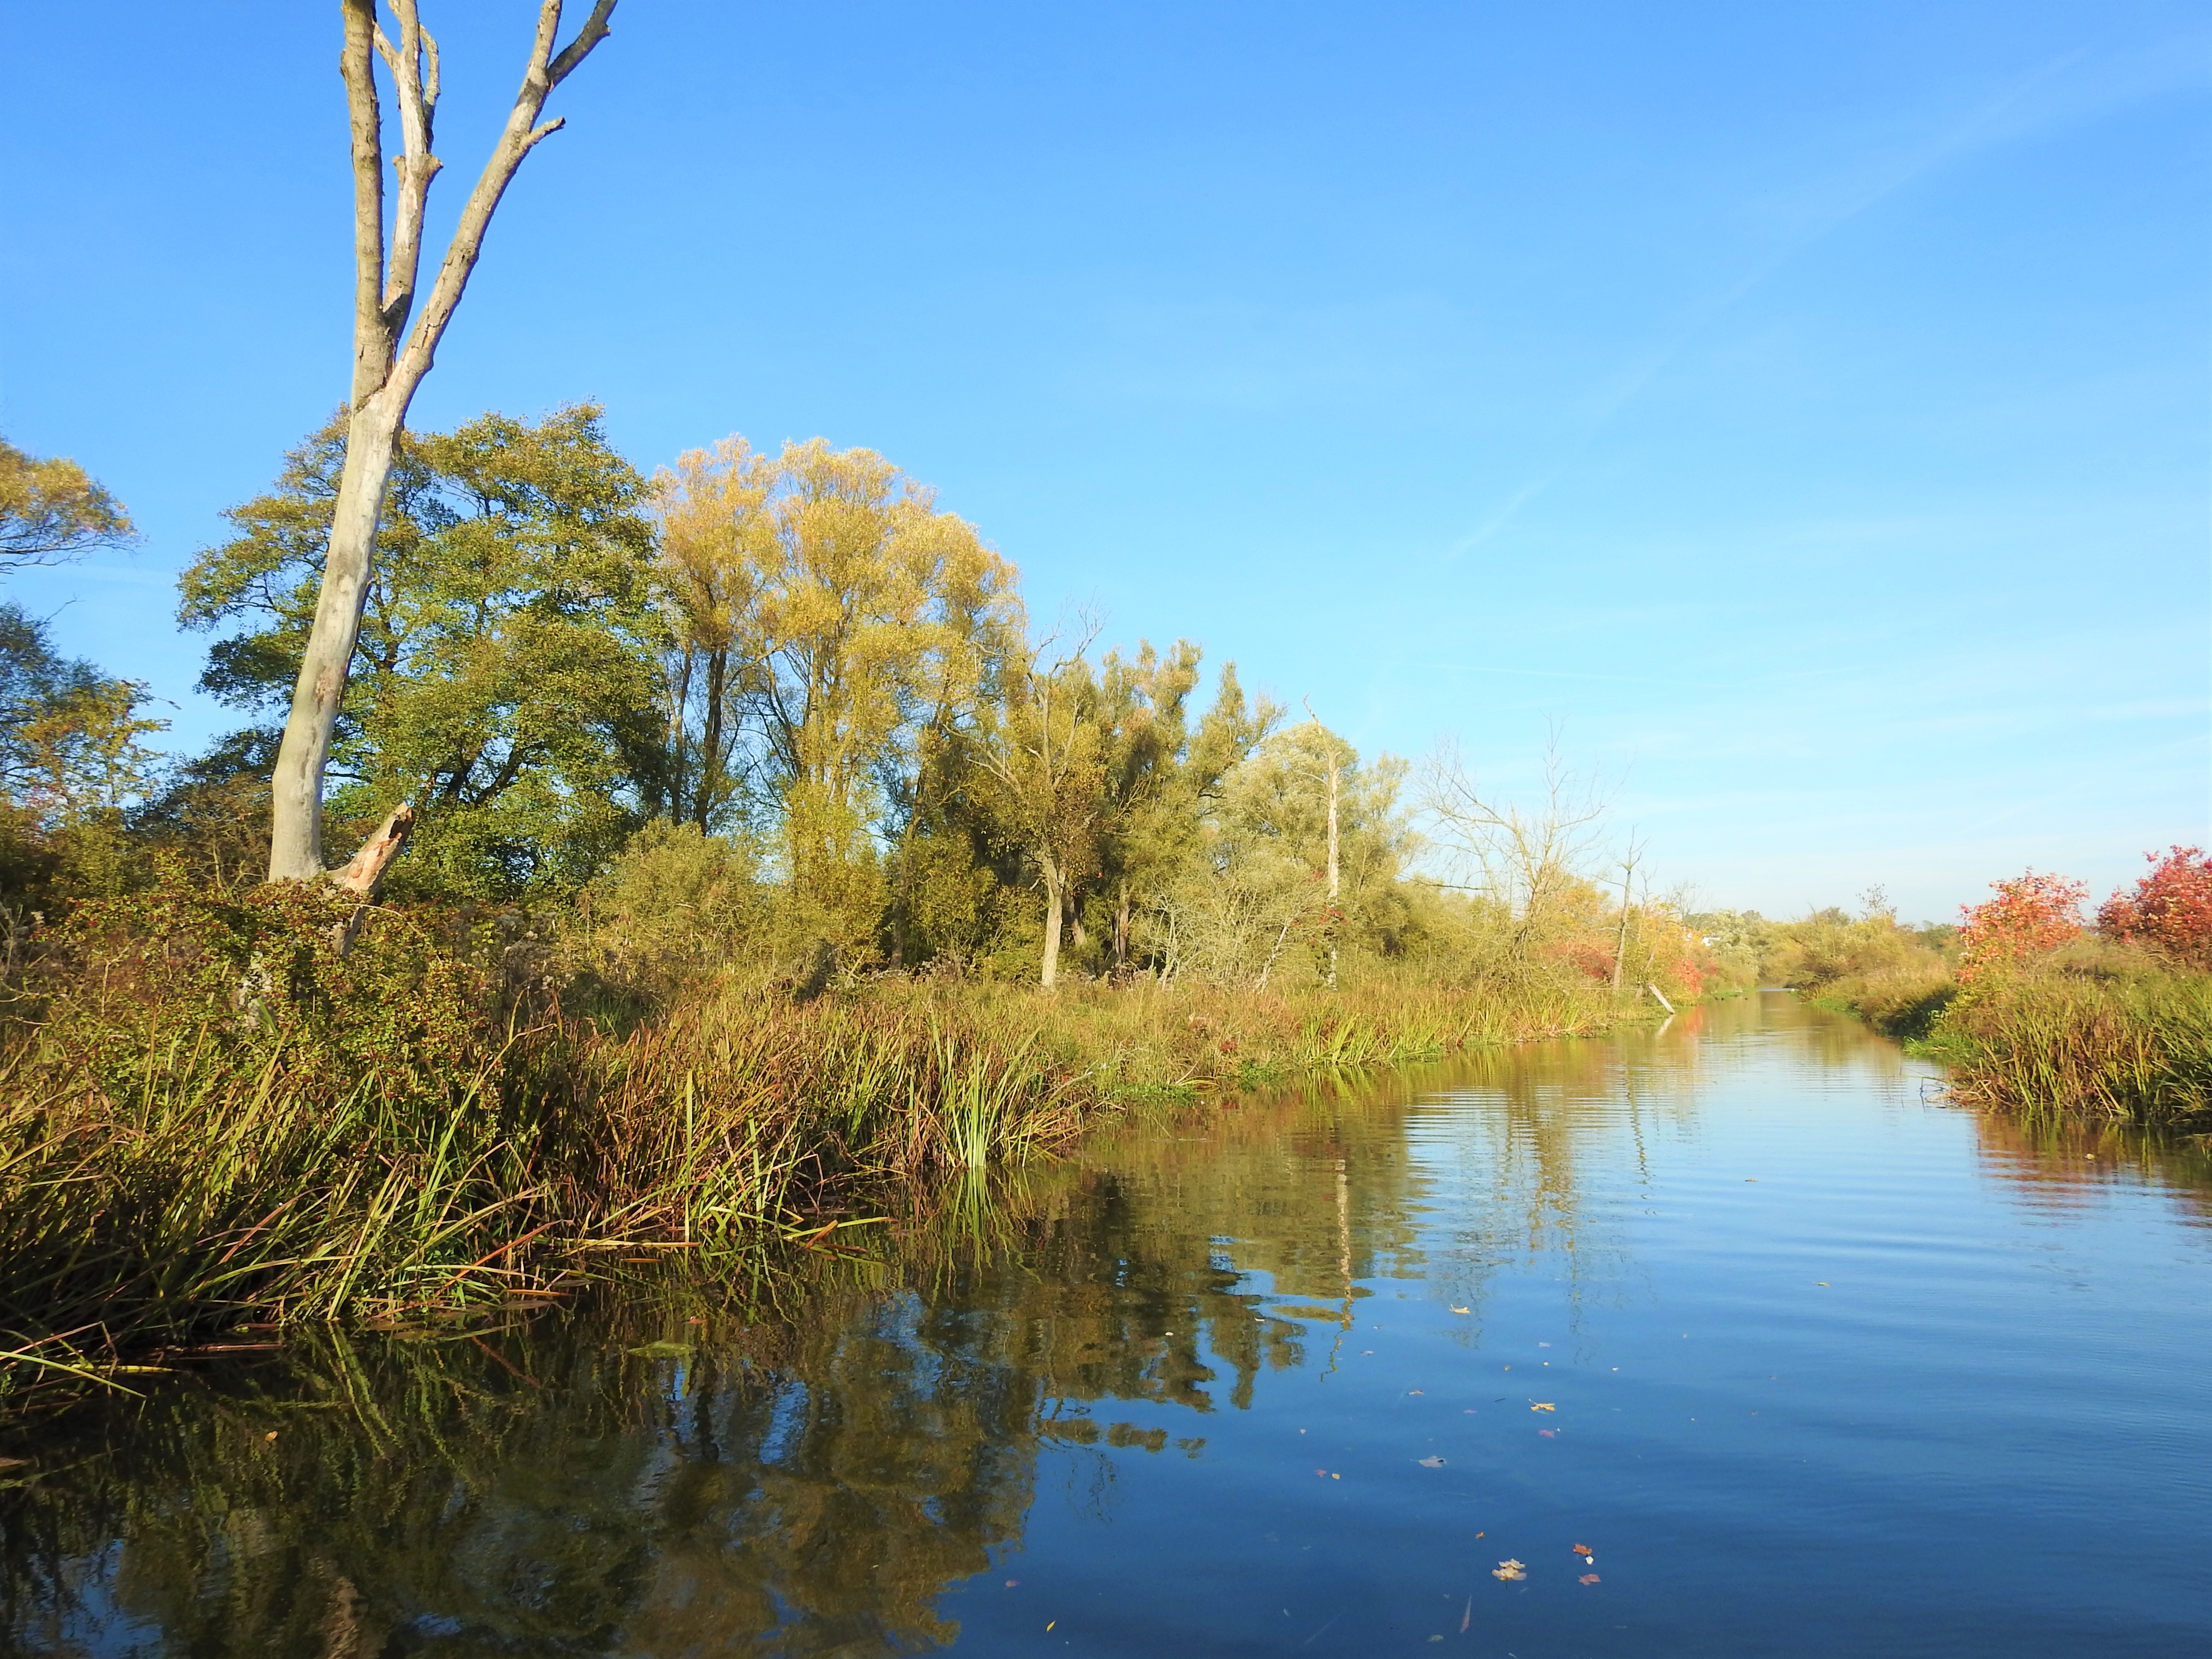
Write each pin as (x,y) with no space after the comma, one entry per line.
(832,624)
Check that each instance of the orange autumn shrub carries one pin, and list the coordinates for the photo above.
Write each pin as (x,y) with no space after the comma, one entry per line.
(2031,916)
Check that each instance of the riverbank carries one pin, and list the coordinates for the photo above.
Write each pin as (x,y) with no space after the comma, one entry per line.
(2099,1031)
(360,1136)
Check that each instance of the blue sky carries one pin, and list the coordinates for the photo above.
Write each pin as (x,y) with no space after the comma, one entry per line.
(1801,410)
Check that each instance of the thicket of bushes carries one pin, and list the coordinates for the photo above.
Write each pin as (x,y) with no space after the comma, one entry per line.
(749,811)
(276,1104)
(2030,1010)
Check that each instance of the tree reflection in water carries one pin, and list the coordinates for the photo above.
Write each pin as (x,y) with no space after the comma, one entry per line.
(667,1469)
(654,1473)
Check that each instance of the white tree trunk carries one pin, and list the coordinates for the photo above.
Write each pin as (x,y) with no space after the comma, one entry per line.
(386,374)
(295,845)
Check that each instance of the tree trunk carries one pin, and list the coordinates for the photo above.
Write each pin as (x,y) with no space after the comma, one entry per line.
(1121,930)
(1335,775)
(1052,908)
(1620,943)
(295,845)
(710,751)
(385,372)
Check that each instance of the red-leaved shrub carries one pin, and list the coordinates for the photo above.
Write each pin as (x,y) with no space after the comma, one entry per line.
(2170,910)
(2030,915)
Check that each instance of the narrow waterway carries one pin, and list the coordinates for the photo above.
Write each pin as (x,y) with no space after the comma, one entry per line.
(1728,1339)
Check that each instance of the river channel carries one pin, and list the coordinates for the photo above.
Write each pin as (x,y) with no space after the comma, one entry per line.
(1731,1338)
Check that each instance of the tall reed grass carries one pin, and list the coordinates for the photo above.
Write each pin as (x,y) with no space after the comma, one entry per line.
(176,1163)
(2134,1046)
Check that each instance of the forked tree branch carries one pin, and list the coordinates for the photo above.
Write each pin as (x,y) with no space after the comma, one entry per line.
(372,339)
(413,67)
(520,135)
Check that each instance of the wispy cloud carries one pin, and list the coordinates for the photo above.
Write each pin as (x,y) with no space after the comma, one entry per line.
(2070,88)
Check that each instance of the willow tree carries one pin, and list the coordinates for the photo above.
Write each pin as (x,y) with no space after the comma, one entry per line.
(832,626)
(390,359)
(1045,750)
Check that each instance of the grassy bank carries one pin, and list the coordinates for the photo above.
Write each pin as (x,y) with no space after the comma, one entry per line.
(2097,1031)
(212,1125)
(2129,1041)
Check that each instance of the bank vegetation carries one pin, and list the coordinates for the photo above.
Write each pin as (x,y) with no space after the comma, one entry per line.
(767,862)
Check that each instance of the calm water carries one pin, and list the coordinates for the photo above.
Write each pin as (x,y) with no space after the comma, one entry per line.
(1830,1367)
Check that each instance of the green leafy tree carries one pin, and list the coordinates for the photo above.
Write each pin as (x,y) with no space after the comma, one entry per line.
(506,675)
(72,762)
(1253,906)
(51,511)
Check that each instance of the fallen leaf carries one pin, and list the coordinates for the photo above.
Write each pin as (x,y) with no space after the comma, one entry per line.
(1010,1582)
(1543,1405)
(1047,1629)
(1336,1477)
(1584,1549)
(1429,1462)
(1462,1310)
(1507,1570)
(1588,1578)
(1549,1434)
(1824,1284)
(271,1434)
(1413,1391)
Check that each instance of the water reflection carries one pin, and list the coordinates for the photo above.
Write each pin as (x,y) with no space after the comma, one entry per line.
(662,1472)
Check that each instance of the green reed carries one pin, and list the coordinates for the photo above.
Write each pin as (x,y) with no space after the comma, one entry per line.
(184,1170)
(2134,1046)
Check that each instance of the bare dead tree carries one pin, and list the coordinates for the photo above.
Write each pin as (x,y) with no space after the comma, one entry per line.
(1526,859)
(388,362)
(1632,856)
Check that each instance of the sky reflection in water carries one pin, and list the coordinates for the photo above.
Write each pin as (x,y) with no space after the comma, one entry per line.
(1831,1368)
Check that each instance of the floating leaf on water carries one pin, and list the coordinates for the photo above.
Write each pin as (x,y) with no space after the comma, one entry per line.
(1549,1434)
(1587,1578)
(1429,1462)
(1541,1406)
(1509,1569)
(1462,1310)
(1584,1549)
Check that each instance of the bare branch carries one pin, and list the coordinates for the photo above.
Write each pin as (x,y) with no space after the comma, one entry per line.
(521,134)
(372,336)
(364,872)
(593,32)
(416,166)
(541,49)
